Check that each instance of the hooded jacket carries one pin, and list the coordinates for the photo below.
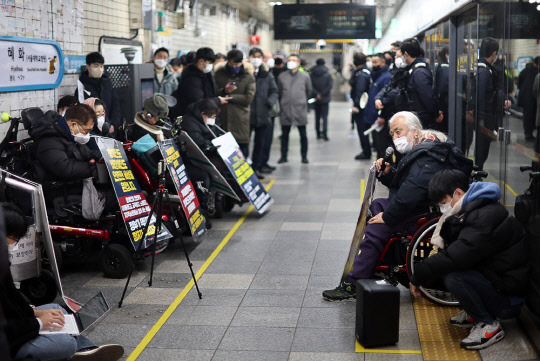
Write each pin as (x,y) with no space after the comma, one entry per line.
(322,83)
(194,85)
(409,183)
(59,156)
(483,237)
(168,84)
(193,124)
(235,115)
(266,96)
(102,88)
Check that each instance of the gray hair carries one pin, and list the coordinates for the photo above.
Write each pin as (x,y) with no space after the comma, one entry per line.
(434,133)
(411,120)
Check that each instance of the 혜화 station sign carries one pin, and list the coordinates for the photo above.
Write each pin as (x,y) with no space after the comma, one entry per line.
(30,64)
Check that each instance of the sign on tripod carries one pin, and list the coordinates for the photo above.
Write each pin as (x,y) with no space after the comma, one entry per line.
(133,205)
(184,187)
(233,157)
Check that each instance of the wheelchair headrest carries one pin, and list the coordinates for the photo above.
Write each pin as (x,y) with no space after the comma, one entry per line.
(30,116)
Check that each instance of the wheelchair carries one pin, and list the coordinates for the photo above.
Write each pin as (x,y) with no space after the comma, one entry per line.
(412,245)
(75,238)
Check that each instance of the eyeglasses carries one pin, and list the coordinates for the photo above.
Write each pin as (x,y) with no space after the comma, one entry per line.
(84,130)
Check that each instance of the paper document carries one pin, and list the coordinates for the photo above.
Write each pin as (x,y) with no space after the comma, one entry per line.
(375,127)
(70,327)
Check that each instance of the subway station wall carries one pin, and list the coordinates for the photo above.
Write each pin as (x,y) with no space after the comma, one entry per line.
(77,26)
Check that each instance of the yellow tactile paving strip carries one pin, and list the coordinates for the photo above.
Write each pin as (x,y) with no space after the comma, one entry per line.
(440,340)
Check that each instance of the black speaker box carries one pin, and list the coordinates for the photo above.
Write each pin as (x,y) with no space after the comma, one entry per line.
(377,313)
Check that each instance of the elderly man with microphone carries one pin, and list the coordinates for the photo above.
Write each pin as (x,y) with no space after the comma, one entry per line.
(425,152)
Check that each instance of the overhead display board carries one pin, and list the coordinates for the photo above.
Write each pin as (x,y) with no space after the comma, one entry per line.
(324,21)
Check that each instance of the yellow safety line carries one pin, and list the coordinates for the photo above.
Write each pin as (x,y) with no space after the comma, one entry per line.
(157,326)
(509,188)
(362,189)
(360,349)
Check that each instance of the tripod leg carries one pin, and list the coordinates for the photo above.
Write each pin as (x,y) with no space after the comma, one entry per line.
(159,214)
(152,211)
(173,216)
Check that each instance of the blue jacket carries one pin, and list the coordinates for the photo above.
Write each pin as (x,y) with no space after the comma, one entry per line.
(380,79)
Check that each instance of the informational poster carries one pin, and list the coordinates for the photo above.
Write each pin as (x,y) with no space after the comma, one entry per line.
(133,205)
(74,63)
(233,157)
(184,187)
(30,64)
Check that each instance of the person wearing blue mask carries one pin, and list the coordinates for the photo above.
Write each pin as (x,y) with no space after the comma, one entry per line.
(235,79)
(483,260)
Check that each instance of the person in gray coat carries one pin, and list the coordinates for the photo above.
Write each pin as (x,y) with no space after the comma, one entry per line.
(294,91)
(165,81)
(322,82)
(266,96)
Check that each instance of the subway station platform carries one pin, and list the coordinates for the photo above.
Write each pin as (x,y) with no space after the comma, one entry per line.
(262,276)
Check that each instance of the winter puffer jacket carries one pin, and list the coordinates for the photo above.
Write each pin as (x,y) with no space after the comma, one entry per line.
(409,183)
(193,125)
(483,237)
(60,157)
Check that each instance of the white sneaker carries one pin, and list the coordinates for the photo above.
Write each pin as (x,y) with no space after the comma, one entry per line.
(463,320)
(101,353)
(483,335)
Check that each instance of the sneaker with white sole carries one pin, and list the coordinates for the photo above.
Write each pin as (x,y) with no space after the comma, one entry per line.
(110,352)
(483,335)
(462,320)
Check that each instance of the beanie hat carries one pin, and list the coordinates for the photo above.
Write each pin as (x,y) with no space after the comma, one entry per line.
(157,106)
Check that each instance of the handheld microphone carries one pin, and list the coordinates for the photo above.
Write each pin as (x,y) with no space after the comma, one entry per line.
(387,157)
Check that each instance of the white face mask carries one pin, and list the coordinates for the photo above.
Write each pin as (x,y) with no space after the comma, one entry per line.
(208,68)
(369,65)
(291,65)
(210,121)
(256,62)
(160,63)
(95,72)
(100,121)
(400,62)
(445,208)
(270,62)
(403,145)
(80,137)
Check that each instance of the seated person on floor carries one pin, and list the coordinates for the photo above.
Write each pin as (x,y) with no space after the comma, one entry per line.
(424,154)
(149,121)
(24,322)
(484,261)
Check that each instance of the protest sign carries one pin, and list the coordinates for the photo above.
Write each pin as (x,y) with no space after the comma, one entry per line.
(184,187)
(233,157)
(133,205)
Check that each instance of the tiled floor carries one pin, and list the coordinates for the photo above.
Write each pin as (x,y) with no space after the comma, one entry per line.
(262,293)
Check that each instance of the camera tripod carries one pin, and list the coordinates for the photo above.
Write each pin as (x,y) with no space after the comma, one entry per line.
(157,211)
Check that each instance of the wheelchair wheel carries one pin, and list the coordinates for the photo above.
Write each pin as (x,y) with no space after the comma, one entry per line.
(116,261)
(40,290)
(421,248)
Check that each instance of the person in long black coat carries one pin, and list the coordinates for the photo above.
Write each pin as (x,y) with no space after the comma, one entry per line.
(526,98)
(484,262)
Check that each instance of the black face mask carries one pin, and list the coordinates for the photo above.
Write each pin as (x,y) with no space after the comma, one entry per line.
(375,68)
